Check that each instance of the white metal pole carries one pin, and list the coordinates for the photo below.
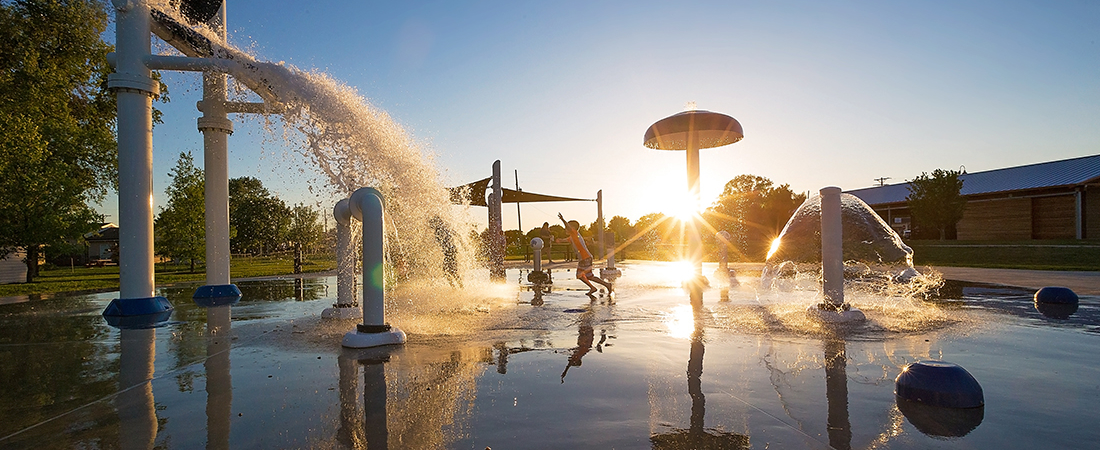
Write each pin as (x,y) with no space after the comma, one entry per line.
(832,247)
(216,128)
(695,242)
(134,88)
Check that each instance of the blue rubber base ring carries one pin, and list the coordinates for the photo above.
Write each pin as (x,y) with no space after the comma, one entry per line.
(939,383)
(134,313)
(213,295)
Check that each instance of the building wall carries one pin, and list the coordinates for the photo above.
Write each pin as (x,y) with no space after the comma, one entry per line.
(999,219)
(1054,217)
(1092,212)
(13,269)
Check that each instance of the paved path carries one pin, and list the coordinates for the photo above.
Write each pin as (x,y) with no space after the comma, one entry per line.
(1083,283)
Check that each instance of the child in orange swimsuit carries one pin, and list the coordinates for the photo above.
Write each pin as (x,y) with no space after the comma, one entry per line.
(584,257)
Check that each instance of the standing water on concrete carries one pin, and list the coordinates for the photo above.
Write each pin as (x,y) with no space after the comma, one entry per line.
(518,368)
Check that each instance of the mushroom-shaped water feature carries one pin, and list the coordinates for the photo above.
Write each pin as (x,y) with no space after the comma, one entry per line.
(693,130)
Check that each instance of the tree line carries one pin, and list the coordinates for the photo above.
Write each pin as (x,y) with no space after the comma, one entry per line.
(259,222)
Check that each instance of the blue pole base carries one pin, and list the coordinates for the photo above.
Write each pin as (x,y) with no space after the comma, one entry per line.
(138,313)
(213,295)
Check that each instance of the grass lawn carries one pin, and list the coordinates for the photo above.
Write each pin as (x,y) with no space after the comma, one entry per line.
(65,279)
(1037,255)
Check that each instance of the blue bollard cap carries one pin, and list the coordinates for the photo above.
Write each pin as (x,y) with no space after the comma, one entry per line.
(939,383)
(217,295)
(1056,294)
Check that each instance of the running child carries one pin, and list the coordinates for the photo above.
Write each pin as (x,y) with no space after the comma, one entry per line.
(584,257)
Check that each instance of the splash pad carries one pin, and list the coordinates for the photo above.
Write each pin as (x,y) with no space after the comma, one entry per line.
(475,371)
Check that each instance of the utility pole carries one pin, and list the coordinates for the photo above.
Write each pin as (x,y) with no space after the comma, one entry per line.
(519,221)
(882,180)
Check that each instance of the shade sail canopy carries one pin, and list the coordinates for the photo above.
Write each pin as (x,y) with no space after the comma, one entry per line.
(513,196)
(475,194)
(703,129)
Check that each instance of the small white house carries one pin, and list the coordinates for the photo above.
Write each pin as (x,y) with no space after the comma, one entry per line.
(103,243)
(12,267)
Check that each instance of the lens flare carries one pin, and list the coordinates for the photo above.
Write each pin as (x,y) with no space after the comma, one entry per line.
(774,247)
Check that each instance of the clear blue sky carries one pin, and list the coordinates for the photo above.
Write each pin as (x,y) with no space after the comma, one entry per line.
(829,93)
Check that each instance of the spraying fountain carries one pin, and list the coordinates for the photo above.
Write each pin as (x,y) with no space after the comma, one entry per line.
(838,236)
(692,130)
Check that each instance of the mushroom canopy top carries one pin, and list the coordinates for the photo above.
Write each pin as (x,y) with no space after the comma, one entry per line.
(695,129)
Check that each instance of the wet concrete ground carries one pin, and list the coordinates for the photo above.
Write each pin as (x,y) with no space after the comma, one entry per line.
(505,368)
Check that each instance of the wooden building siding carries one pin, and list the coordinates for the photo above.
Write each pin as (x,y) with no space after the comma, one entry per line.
(998,219)
(13,269)
(1054,217)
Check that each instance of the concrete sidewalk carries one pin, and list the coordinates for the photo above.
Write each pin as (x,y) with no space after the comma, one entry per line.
(1083,283)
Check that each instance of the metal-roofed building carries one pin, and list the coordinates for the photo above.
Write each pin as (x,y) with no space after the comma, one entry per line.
(1051,200)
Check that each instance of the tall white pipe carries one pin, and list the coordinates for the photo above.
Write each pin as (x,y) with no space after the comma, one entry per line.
(134,88)
(832,251)
(216,128)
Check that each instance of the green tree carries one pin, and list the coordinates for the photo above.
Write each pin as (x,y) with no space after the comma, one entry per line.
(936,201)
(753,210)
(621,227)
(57,143)
(180,226)
(259,220)
(305,227)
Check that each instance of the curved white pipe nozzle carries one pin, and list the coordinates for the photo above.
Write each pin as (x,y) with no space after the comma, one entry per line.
(356,203)
(342,212)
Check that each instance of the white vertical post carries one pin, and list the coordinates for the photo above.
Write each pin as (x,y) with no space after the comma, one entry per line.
(134,88)
(216,128)
(695,241)
(832,251)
